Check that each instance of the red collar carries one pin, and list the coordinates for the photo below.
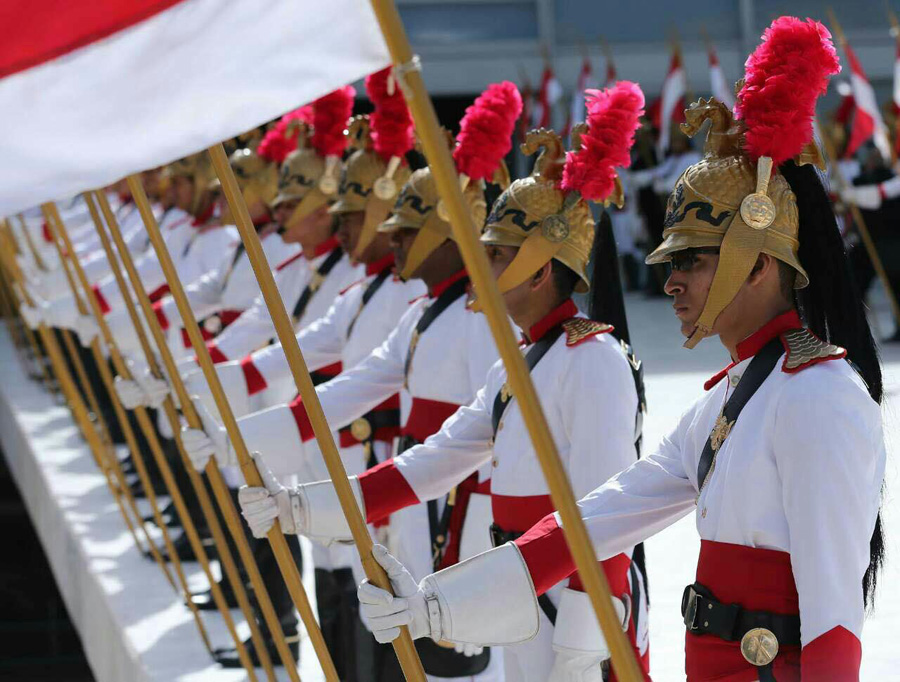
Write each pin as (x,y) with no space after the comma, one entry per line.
(564,311)
(754,343)
(262,221)
(380,265)
(440,288)
(325,247)
(204,217)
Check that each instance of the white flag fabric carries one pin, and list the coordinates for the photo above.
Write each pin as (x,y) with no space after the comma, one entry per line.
(720,88)
(867,120)
(586,81)
(673,92)
(93,91)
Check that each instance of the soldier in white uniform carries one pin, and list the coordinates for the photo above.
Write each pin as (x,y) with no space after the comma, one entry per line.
(782,460)
(437,357)
(538,239)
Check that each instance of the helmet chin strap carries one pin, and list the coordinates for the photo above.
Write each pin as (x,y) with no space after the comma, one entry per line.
(534,253)
(737,256)
(432,234)
(313,200)
(377,211)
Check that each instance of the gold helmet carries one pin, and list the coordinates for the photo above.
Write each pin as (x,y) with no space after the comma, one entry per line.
(731,199)
(198,168)
(419,208)
(485,137)
(373,174)
(311,173)
(257,178)
(546,216)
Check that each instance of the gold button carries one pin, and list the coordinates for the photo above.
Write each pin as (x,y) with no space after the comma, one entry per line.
(735,379)
(494,463)
(500,426)
(703,513)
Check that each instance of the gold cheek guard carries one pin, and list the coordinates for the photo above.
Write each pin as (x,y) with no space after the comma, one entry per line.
(764,221)
(317,196)
(380,202)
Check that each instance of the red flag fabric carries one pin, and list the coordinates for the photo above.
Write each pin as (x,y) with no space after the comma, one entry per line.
(867,121)
(671,99)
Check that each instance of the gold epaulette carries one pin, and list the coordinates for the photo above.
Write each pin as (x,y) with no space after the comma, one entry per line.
(805,348)
(579,328)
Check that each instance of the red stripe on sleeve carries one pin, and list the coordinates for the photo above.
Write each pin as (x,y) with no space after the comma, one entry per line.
(832,657)
(217,355)
(160,315)
(101,299)
(256,382)
(546,554)
(385,491)
(302,419)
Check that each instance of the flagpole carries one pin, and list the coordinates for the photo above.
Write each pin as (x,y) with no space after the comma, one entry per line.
(466,235)
(40,357)
(82,419)
(857,215)
(895,32)
(30,242)
(285,331)
(14,324)
(56,227)
(220,489)
(223,552)
(144,421)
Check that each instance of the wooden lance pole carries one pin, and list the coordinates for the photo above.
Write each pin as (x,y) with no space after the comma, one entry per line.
(224,553)
(145,422)
(855,213)
(35,254)
(220,489)
(55,227)
(466,235)
(105,460)
(403,646)
(40,357)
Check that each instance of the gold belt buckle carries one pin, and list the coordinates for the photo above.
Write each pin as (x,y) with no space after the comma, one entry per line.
(361,429)
(759,646)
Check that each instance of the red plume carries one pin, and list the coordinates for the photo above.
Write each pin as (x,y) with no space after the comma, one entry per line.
(782,80)
(485,132)
(277,143)
(613,118)
(391,124)
(330,114)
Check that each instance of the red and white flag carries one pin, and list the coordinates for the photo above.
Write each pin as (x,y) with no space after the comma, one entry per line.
(93,91)
(720,88)
(897,100)
(671,100)
(611,77)
(548,95)
(525,119)
(867,120)
(586,81)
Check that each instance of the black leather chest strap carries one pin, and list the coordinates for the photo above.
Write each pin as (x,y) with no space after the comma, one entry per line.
(321,273)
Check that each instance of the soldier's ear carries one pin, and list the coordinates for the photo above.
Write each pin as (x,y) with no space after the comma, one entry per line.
(543,276)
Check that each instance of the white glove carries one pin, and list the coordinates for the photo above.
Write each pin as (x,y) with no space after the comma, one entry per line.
(386,613)
(87,329)
(260,506)
(130,394)
(61,313)
(31,314)
(468,649)
(867,197)
(576,667)
(212,439)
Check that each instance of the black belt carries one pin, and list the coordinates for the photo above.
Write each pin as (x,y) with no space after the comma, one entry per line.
(367,426)
(501,537)
(760,633)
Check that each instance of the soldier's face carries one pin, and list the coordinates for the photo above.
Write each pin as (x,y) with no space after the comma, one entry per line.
(692,276)
(401,242)
(349,227)
(284,210)
(183,189)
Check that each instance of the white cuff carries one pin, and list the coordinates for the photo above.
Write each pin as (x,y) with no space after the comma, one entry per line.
(321,515)
(577,628)
(487,600)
